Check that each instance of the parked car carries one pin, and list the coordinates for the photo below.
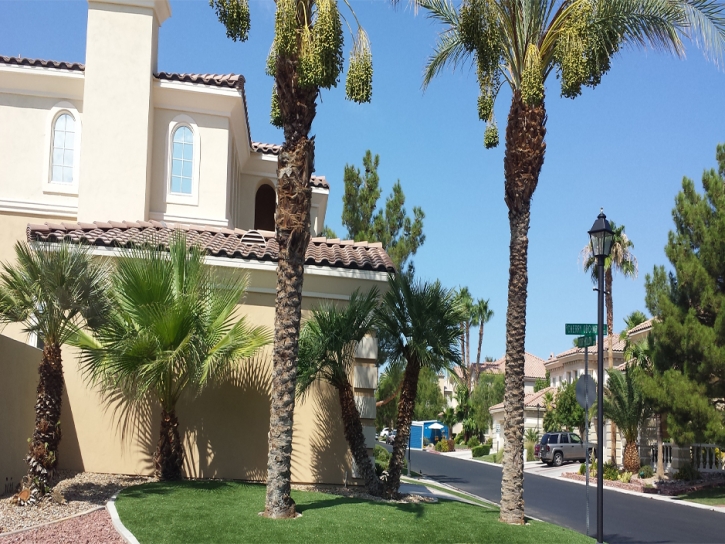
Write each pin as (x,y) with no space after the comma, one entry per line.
(384,433)
(391,437)
(555,448)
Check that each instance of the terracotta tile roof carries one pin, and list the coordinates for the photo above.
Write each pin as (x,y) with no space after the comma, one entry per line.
(533,366)
(267,149)
(216,242)
(232,81)
(532,400)
(641,327)
(59,65)
(617,346)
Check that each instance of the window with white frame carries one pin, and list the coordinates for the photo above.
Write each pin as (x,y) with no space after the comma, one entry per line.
(182,162)
(64,134)
(63,148)
(182,185)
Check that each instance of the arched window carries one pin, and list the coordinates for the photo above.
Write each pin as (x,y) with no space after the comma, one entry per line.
(64,134)
(265,205)
(182,161)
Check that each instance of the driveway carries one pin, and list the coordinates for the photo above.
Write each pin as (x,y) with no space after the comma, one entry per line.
(627,518)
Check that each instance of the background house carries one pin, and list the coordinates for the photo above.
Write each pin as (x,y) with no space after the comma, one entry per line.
(114,151)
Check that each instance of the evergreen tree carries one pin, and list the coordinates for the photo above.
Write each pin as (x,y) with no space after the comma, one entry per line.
(488,392)
(688,336)
(400,234)
(429,401)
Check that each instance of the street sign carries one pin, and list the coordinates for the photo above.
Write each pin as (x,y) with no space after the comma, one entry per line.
(586,388)
(583,329)
(586,341)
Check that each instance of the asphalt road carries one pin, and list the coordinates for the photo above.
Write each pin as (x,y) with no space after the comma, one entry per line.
(627,518)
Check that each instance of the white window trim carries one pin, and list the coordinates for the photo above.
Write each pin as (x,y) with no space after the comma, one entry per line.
(176,198)
(56,187)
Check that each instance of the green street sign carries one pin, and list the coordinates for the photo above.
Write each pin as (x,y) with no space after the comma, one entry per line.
(583,329)
(586,341)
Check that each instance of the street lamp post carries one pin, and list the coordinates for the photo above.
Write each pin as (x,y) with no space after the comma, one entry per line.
(601,242)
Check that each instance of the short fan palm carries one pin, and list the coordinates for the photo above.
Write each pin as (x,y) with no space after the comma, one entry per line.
(425,321)
(52,290)
(627,407)
(171,326)
(327,352)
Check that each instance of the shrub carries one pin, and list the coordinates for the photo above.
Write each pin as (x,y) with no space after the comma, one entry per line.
(582,469)
(442,445)
(451,445)
(478,451)
(425,442)
(381,454)
(646,472)
(473,442)
(625,477)
(611,471)
(489,442)
(687,472)
(459,438)
(380,467)
(530,452)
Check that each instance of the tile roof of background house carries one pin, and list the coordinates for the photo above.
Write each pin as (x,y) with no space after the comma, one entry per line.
(533,366)
(532,400)
(641,327)
(274,149)
(216,242)
(617,346)
(232,81)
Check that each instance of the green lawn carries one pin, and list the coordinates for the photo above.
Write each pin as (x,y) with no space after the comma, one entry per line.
(714,496)
(228,512)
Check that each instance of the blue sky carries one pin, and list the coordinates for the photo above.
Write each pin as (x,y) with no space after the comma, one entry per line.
(625,146)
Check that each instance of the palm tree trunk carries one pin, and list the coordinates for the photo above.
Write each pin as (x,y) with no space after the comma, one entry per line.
(383,402)
(478,353)
(406,406)
(356,439)
(294,196)
(523,159)
(42,456)
(610,352)
(169,455)
(468,355)
(631,457)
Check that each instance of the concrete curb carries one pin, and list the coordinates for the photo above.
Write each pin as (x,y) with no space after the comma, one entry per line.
(40,526)
(652,496)
(126,535)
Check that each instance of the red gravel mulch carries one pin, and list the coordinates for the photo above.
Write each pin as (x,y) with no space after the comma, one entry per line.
(92,528)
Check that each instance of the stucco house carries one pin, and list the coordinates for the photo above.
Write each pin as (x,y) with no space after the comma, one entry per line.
(114,151)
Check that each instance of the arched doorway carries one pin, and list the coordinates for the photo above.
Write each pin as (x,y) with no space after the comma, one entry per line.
(265,205)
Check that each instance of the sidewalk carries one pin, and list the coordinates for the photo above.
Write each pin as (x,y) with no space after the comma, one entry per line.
(431,488)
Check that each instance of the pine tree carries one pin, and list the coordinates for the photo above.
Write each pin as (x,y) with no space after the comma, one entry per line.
(688,336)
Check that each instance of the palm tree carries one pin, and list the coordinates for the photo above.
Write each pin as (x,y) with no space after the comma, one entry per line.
(52,290)
(626,406)
(306,56)
(623,260)
(425,319)
(634,319)
(640,355)
(482,314)
(327,352)
(522,43)
(171,325)
(449,418)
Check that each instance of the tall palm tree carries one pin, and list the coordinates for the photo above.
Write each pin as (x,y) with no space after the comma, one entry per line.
(306,56)
(482,314)
(327,353)
(425,319)
(52,290)
(449,418)
(626,406)
(623,260)
(171,325)
(522,42)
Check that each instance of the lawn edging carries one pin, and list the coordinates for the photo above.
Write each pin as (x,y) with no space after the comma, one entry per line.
(125,534)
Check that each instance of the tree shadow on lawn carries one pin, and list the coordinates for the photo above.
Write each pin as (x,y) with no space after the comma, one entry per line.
(165,488)
(408,507)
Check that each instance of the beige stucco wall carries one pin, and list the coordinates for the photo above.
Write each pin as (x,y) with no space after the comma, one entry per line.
(214,135)
(224,428)
(115,167)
